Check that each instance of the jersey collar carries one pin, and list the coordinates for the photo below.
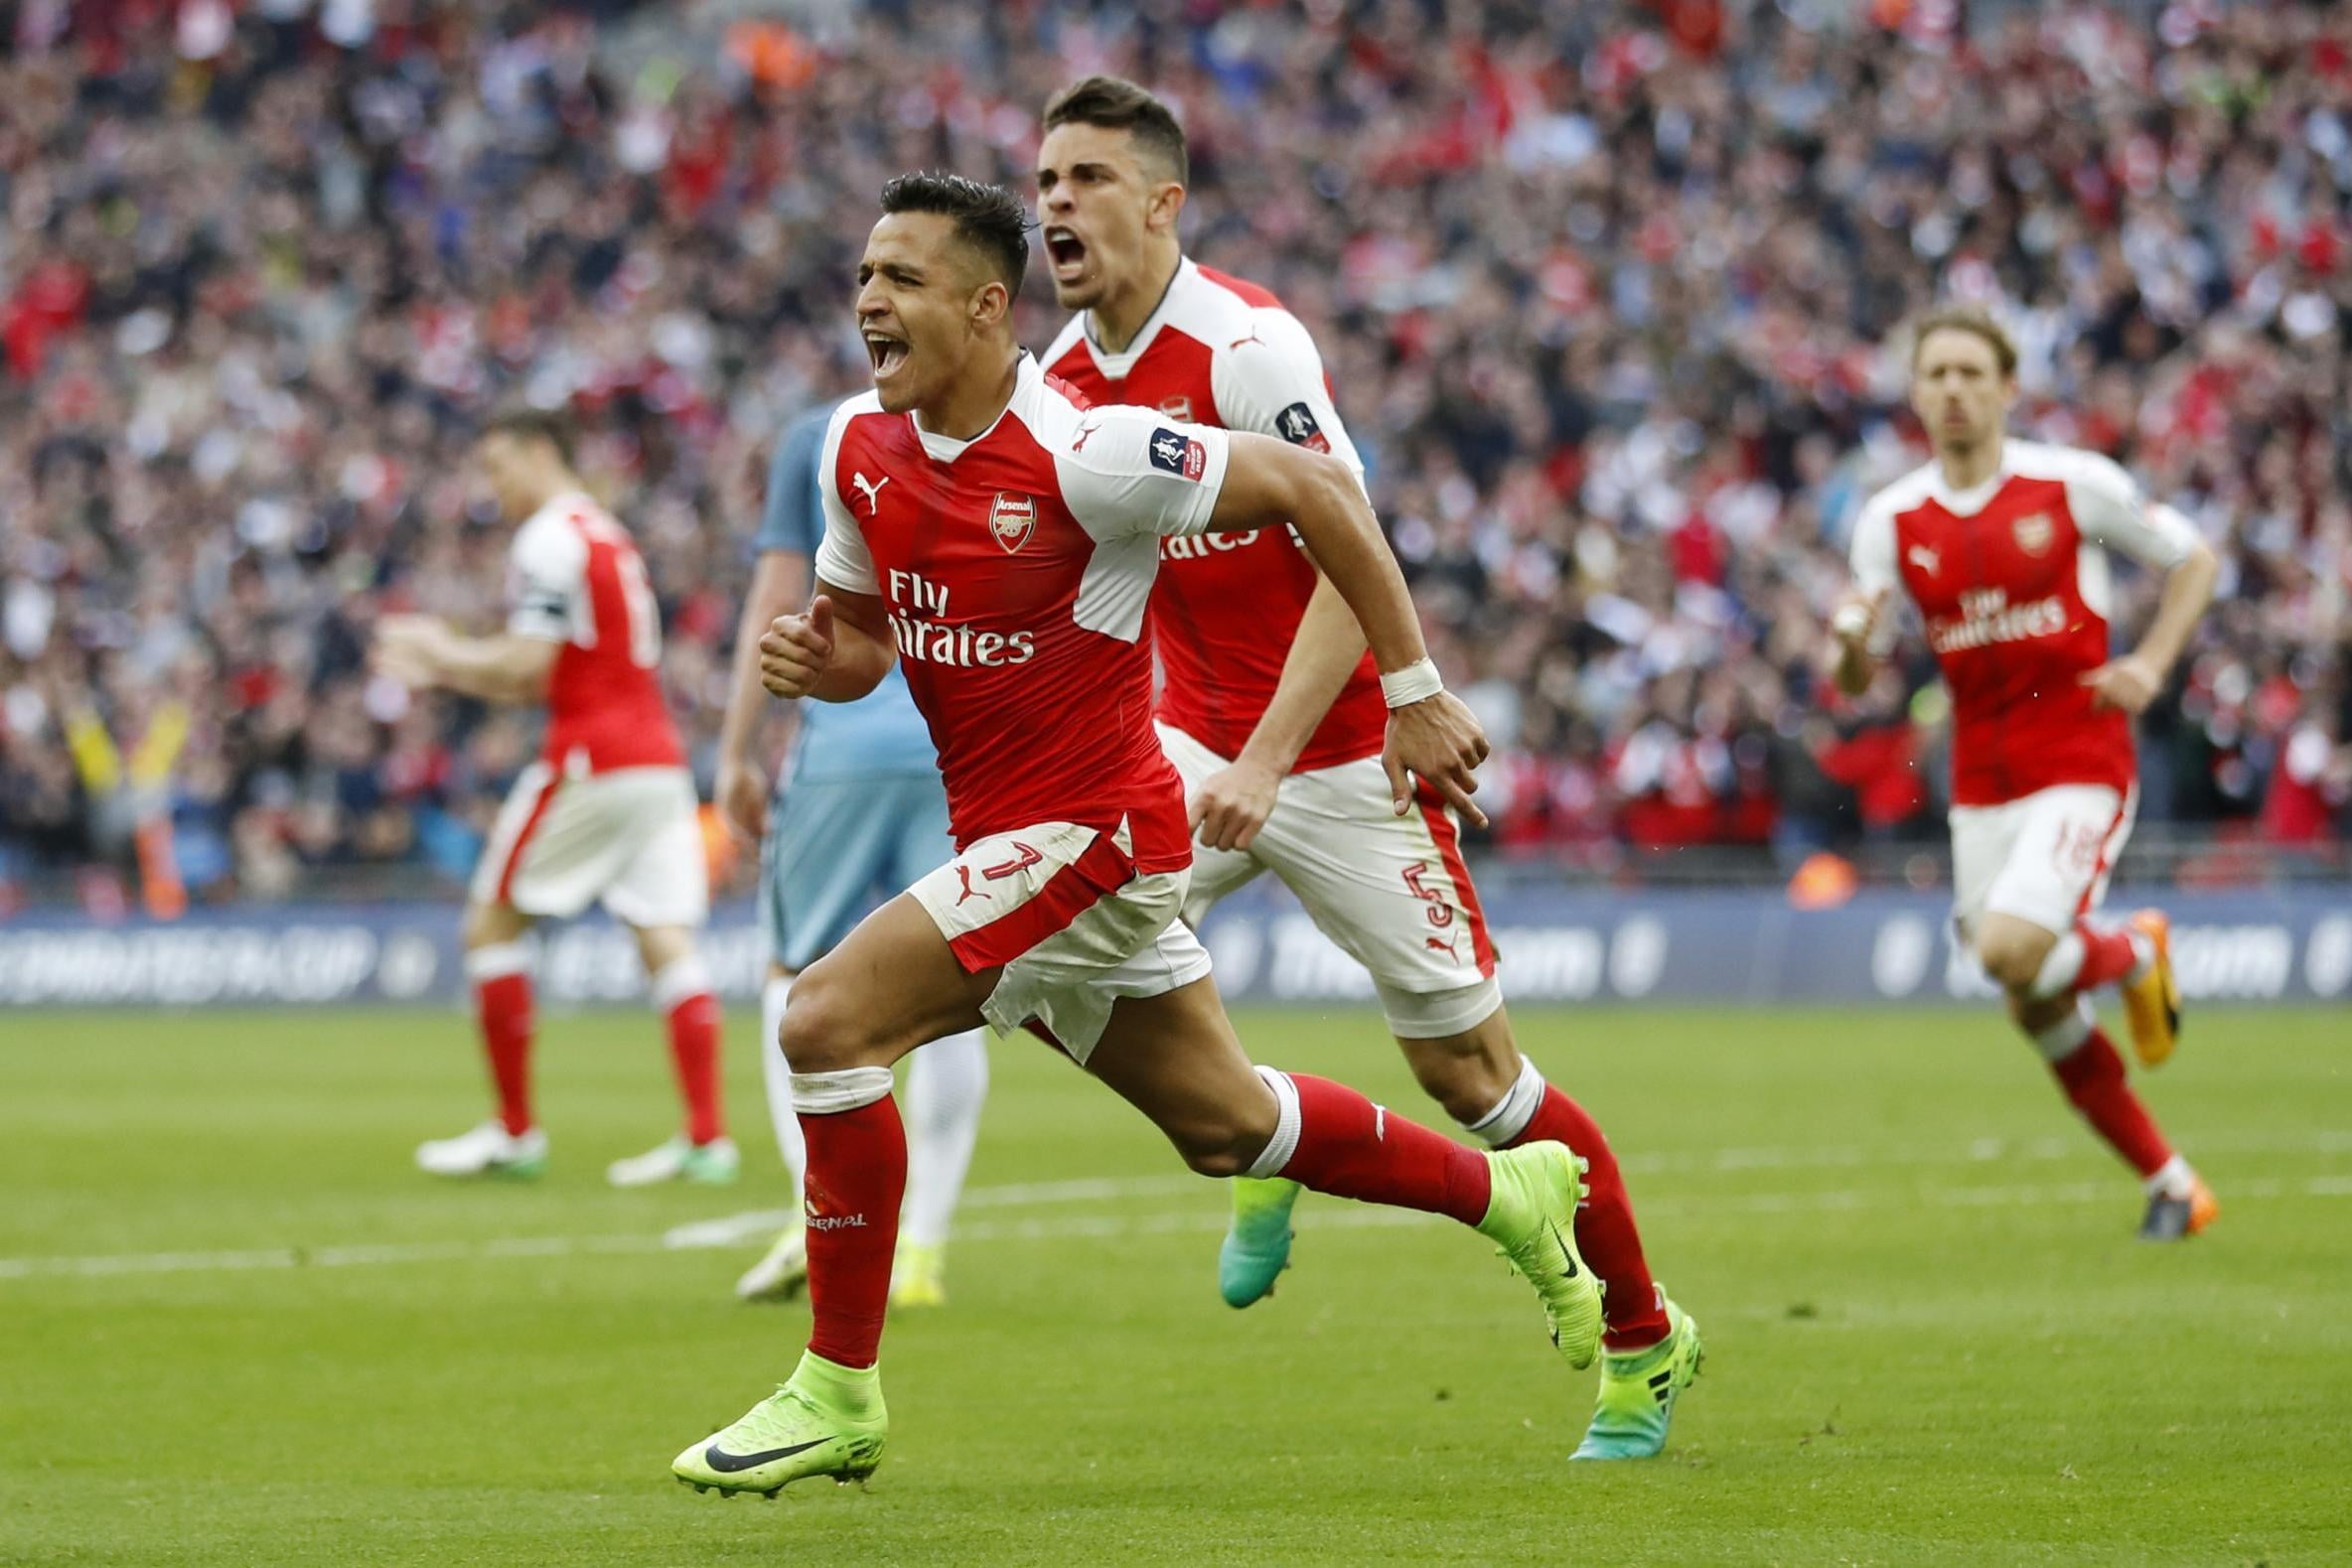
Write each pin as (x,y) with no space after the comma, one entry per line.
(1028,380)
(1115,366)
(1968,503)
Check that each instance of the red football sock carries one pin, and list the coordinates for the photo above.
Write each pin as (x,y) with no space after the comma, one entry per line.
(1351,1148)
(857,1175)
(2092,1077)
(694,1051)
(1605,1232)
(2107,955)
(501,1007)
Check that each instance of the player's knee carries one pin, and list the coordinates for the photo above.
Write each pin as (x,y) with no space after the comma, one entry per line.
(2011,958)
(824,1025)
(487,924)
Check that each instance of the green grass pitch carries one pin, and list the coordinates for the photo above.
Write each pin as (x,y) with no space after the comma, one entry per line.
(238,1327)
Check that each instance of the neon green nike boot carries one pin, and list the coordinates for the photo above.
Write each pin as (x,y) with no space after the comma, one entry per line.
(828,1420)
(1532,1218)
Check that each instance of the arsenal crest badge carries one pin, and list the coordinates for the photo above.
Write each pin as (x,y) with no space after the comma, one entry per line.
(1012,518)
(2035,533)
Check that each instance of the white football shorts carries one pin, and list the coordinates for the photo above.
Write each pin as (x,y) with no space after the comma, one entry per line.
(1393,892)
(2044,857)
(1075,928)
(628,838)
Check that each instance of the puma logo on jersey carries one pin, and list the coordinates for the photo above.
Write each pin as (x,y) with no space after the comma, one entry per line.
(963,874)
(1083,431)
(1926,560)
(872,490)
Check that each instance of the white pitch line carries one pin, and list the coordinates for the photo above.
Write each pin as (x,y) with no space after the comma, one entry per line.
(1202,1221)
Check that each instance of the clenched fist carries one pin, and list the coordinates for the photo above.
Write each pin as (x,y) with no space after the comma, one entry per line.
(796,651)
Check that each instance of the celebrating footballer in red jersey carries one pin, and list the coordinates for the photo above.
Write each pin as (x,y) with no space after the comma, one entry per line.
(1273,711)
(607,814)
(999,541)
(2002,546)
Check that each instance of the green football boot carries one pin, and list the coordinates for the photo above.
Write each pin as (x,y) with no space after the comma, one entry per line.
(828,1420)
(1532,1215)
(1639,1390)
(712,1164)
(1257,1242)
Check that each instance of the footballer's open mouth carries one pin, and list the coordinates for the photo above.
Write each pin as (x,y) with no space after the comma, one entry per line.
(1067,252)
(887,353)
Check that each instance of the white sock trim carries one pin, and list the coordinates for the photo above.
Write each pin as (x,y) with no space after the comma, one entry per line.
(2144,958)
(2064,1038)
(1513,1111)
(677,980)
(2173,1179)
(1284,1143)
(498,961)
(831,1093)
(2060,968)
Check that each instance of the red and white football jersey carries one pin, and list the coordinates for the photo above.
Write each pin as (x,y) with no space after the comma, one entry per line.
(1015,568)
(574,577)
(2010,579)
(1221,352)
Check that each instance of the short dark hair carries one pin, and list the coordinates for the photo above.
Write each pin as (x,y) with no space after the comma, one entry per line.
(532,424)
(988,217)
(1968,318)
(1117,104)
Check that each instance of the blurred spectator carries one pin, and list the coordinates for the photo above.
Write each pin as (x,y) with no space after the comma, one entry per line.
(1607,288)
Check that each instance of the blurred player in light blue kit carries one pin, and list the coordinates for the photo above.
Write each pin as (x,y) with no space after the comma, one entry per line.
(857,813)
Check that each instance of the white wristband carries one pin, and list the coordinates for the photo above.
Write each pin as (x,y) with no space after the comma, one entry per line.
(1416,683)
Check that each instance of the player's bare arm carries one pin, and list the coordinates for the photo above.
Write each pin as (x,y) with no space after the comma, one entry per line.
(779,581)
(1234,804)
(1268,483)
(2132,681)
(424,653)
(836,652)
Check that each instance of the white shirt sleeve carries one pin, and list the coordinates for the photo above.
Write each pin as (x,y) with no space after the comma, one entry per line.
(546,579)
(1129,472)
(844,558)
(1272,382)
(1872,557)
(2110,510)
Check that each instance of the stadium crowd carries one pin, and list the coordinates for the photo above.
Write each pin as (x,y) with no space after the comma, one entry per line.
(1611,294)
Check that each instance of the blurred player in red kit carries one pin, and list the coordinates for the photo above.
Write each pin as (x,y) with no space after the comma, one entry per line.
(607,814)
(2002,546)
